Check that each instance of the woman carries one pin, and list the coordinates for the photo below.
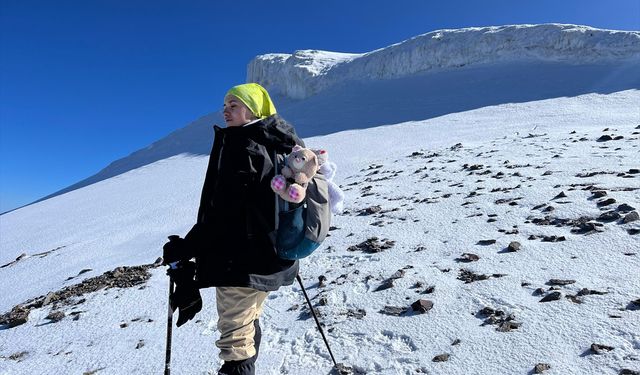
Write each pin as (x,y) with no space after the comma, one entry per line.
(231,239)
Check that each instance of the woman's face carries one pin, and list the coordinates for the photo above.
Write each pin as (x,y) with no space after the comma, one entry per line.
(235,112)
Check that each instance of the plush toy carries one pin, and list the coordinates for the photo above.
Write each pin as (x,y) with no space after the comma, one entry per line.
(328,170)
(300,167)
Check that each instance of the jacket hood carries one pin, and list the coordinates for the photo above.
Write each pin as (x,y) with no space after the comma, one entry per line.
(273,132)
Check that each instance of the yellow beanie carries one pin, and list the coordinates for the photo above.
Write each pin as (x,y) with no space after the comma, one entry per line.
(255,97)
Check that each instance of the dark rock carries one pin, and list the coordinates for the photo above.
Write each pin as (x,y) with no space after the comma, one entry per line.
(513,246)
(356,313)
(589,227)
(140,344)
(598,193)
(541,367)
(441,358)
(634,305)
(626,371)
(538,292)
(456,342)
(508,326)
(322,281)
(468,257)
(560,195)
(553,296)
(372,245)
(586,292)
(547,173)
(633,231)
(469,276)
(606,202)
(18,356)
(387,284)
(609,216)
(55,316)
(573,298)
(600,349)
(560,282)
(624,208)
(17,316)
(429,290)
(553,239)
(486,242)
(422,306)
(631,217)
(549,209)
(634,171)
(370,211)
(604,138)
(394,310)
(539,206)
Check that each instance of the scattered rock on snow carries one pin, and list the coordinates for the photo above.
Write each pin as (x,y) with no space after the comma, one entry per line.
(606,202)
(513,246)
(486,242)
(560,195)
(553,296)
(18,356)
(600,349)
(468,257)
(626,371)
(441,358)
(422,306)
(394,310)
(370,211)
(541,367)
(372,245)
(609,216)
(630,217)
(560,282)
(55,316)
(634,305)
(624,208)
(140,344)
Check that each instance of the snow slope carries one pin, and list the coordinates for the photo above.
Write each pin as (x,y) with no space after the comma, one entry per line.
(437,200)
(427,76)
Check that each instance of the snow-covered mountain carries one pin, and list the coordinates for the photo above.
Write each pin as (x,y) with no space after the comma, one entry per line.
(482,165)
(305,73)
(431,75)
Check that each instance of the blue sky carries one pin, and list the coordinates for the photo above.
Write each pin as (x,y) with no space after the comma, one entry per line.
(83,83)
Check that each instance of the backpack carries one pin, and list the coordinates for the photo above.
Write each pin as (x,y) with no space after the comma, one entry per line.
(301,228)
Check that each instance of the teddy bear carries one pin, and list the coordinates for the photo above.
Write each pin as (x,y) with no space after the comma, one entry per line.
(300,167)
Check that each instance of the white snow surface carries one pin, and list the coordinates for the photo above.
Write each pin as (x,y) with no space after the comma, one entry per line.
(435,209)
(307,72)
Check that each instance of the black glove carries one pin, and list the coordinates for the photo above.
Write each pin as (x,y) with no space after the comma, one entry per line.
(175,250)
(186,297)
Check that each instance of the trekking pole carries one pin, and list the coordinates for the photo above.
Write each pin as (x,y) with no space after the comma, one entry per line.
(317,322)
(167,359)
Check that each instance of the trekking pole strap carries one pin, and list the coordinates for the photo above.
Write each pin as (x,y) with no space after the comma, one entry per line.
(317,321)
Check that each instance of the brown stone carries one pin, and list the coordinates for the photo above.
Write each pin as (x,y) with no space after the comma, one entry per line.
(422,306)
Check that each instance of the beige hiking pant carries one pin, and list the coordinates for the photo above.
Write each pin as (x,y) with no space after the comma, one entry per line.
(237,309)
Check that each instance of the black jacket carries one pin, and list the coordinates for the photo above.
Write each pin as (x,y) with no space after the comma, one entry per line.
(237,209)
